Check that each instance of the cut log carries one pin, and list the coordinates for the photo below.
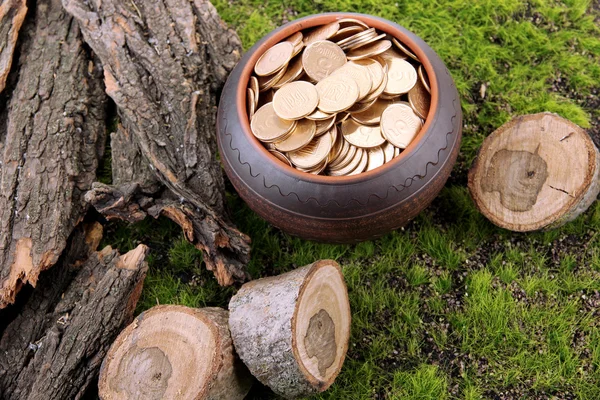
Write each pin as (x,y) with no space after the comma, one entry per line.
(12,14)
(53,348)
(164,64)
(292,330)
(535,172)
(51,141)
(174,352)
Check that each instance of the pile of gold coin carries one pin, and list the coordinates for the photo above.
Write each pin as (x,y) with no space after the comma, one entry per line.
(339,99)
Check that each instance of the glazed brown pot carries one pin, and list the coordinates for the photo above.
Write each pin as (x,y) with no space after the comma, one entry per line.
(343,209)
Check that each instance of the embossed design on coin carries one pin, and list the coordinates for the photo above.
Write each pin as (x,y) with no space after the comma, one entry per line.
(400,124)
(295,100)
(274,59)
(321,58)
(336,94)
(359,74)
(267,126)
(364,136)
(401,77)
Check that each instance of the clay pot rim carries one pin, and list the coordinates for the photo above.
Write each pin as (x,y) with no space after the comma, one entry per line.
(320,19)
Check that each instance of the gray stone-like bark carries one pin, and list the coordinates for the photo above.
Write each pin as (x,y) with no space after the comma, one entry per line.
(164,62)
(12,14)
(51,138)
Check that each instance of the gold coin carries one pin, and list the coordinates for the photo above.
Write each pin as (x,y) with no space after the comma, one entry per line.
(385,96)
(376,158)
(370,50)
(295,38)
(341,162)
(333,132)
(389,55)
(324,125)
(388,151)
(368,33)
(419,99)
(295,100)
(255,88)
(361,76)
(250,102)
(267,82)
(346,22)
(297,49)
(322,32)
(267,126)
(274,59)
(316,170)
(336,93)
(313,153)
(292,72)
(360,107)
(364,136)
(375,71)
(400,124)
(424,79)
(351,165)
(364,39)
(319,115)
(341,117)
(361,165)
(372,115)
(302,134)
(404,49)
(375,94)
(402,76)
(346,32)
(364,42)
(321,58)
(281,157)
(397,151)
(339,151)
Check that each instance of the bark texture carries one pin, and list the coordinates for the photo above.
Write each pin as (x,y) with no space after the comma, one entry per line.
(54,346)
(175,352)
(12,14)
(51,138)
(535,172)
(266,324)
(164,63)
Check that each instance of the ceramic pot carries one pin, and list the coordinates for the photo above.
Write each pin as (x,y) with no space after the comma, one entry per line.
(350,208)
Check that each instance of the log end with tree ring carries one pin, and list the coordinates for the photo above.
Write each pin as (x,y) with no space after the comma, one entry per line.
(321,324)
(173,352)
(535,172)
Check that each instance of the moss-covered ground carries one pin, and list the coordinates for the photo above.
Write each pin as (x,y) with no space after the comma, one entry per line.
(450,307)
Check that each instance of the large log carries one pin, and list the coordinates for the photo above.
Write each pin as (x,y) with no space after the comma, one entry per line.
(175,352)
(12,14)
(53,348)
(164,63)
(535,172)
(51,138)
(292,330)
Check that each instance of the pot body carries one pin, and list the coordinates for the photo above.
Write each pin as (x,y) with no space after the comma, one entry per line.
(341,209)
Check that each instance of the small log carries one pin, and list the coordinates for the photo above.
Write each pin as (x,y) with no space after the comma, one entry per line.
(51,138)
(53,346)
(12,14)
(292,330)
(535,172)
(164,64)
(174,352)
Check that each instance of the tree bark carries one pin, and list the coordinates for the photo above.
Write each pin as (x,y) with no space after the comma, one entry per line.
(54,346)
(173,352)
(51,138)
(164,62)
(12,14)
(292,330)
(535,172)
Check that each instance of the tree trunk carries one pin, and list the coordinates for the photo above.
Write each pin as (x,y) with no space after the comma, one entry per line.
(51,138)
(164,63)
(292,330)
(175,352)
(54,346)
(12,14)
(535,172)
